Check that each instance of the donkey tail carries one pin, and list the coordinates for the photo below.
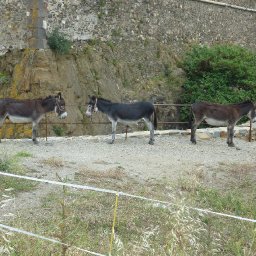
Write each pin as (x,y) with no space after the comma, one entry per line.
(155,119)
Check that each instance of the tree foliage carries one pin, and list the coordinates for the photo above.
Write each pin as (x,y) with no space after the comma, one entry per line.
(220,74)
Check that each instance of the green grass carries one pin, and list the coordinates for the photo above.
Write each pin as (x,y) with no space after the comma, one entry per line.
(12,165)
(84,218)
(23,154)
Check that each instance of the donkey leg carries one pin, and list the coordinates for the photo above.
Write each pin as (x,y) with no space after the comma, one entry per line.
(151,130)
(34,132)
(114,123)
(2,118)
(193,132)
(230,136)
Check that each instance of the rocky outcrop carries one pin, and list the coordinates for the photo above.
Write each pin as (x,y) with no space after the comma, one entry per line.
(99,69)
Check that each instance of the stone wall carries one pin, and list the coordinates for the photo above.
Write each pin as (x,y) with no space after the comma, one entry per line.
(13,24)
(176,22)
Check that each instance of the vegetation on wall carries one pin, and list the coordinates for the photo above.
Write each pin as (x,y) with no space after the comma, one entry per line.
(4,79)
(58,43)
(220,74)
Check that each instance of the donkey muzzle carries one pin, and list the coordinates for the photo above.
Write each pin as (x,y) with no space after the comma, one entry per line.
(63,115)
(88,113)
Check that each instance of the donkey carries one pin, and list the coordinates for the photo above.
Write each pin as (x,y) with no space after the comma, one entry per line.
(124,113)
(221,115)
(24,111)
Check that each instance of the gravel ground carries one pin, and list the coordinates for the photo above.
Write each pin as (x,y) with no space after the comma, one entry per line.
(169,158)
(169,155)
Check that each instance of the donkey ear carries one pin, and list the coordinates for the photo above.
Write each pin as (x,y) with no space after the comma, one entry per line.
(59,95)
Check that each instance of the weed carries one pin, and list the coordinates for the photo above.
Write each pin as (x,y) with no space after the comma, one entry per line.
(53,162)
(58,130)
(58,43)
(4,79)
(23,154)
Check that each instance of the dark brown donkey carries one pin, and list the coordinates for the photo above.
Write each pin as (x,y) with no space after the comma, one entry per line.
(221,115)
(24,111)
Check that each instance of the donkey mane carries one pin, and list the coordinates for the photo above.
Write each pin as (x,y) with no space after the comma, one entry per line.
(109,101)
(45,100)
(232,104)
(244,103)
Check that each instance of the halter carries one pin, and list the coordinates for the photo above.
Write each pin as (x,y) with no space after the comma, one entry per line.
(95,109)
(58,105)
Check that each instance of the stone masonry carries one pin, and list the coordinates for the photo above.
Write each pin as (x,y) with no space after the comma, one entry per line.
(175,22)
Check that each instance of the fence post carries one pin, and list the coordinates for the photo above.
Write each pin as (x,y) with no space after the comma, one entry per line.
(113,225)
(250,131)
(126,131)
(46,128)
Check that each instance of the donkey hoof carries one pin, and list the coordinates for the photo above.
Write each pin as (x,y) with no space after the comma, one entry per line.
(193,142)
(35,142)
(151,142)
(231,145)
(111,142)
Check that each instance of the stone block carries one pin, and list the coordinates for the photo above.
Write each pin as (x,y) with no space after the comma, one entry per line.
(204,136)
(223,134)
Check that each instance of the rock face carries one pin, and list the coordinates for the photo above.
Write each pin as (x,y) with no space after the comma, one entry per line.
(98,69)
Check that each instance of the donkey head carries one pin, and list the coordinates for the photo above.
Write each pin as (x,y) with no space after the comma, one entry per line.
(56,104)
(60,106)
(92,106)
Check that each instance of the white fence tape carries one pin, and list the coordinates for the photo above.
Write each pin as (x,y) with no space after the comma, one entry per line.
(226,5)
(48,239)
(123,194)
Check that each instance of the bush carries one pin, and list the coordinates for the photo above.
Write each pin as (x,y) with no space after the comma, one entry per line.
(58,43)
(4,79)
(59,131)
(220,74)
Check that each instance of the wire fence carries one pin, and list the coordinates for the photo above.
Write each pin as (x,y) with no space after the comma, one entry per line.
(158,203)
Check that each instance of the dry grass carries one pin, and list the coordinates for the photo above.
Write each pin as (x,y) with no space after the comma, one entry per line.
(117,173)
(143,228)
(53,162)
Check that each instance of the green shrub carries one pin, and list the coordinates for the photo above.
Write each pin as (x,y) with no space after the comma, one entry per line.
(58,43)
(4,79)
(220,74)
(59,131)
